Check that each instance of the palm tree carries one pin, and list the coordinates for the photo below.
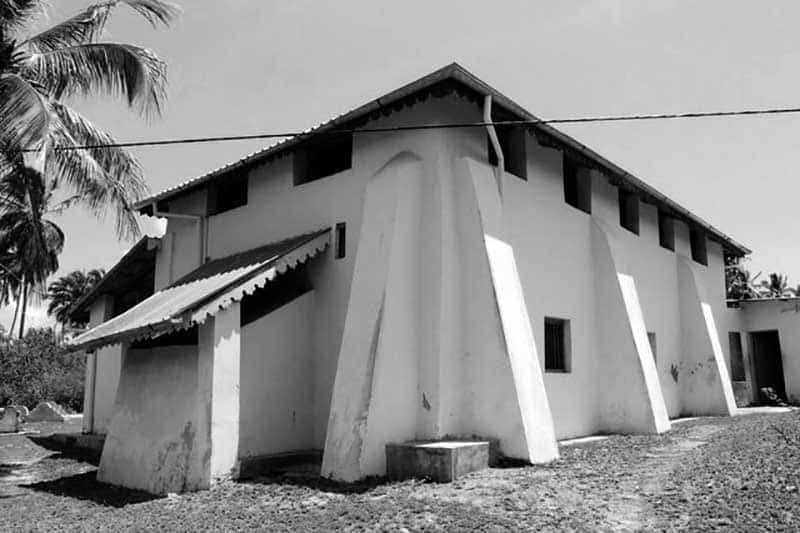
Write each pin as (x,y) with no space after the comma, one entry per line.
(30,241)
(39,72)
(778,285)
(64,292)
(740,284)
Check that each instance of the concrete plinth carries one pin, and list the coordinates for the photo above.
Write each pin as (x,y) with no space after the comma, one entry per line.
(438,461)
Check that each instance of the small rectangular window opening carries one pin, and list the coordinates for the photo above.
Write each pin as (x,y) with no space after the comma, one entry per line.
(323,157)
(629,211)
(737,356)
(666,231)
(556,345)
(697,239)
(228,193)
(651,337)
(341,243)
(577,185)
(512,143)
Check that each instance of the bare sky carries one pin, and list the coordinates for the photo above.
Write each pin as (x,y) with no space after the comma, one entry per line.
(252,66)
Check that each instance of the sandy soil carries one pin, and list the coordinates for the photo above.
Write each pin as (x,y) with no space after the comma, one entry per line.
(738,473)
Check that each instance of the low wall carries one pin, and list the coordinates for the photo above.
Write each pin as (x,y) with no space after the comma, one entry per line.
(151,439)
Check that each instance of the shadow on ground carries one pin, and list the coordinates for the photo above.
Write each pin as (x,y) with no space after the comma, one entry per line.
(86,487)
(67,448)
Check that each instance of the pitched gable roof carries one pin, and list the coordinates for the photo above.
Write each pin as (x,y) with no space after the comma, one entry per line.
(455,78)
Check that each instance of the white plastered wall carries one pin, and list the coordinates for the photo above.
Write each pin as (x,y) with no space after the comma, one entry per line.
(552,243)
(176,418)
(102,375)
(783,316)
(152,438)
(552,247)
(276,392)
(418,358)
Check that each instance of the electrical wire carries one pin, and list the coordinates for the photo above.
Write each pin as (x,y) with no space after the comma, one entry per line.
(525,122)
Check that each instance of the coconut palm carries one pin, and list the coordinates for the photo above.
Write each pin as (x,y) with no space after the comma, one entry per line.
(740,284)
(40,72)
(64,292)
(30,241)
(777,286)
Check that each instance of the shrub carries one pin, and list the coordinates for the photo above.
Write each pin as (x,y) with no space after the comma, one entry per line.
(38,368)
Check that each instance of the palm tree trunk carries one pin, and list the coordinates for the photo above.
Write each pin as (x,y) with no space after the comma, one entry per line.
(14,320)
(24,307)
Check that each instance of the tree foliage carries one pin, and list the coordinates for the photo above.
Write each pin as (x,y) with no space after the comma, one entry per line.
(64,292)
(47,147)
(40,72)
(37,368)
(741,285)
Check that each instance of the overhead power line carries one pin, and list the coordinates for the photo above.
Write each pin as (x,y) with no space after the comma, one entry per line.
(576,120)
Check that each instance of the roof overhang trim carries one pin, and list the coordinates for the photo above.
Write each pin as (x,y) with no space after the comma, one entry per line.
(439,83)
(207,305)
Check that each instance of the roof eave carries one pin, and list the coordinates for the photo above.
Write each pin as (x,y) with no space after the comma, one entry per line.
(458,73)
(83,304)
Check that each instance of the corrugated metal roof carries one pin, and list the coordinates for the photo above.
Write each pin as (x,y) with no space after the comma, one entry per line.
(204,292)
(394,101)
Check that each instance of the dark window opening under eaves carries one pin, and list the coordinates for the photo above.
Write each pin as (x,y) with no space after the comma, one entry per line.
(323,157)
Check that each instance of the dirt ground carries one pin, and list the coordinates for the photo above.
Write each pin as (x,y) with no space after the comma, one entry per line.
(725,474)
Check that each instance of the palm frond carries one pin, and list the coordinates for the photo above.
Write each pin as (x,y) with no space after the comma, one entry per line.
(24,117)
(88,25)
(67,290)
(102,177)
(154,11)
(34,241)
(119,70)
(63,205)
(82,28)
(15,14)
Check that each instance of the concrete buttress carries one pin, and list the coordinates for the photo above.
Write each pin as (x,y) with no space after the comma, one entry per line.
(630,400)
(703,373)
(437,339)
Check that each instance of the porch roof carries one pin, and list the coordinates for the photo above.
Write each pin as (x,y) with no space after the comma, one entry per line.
(204,292)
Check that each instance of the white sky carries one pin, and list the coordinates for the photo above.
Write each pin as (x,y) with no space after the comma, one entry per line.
(252,66)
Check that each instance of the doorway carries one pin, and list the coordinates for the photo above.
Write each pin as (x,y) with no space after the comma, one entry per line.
(767,363)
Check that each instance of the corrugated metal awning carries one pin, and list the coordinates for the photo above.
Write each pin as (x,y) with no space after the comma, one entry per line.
(204,292)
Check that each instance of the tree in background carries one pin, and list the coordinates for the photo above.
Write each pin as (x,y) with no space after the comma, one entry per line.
(64,292)
(30,241)
(37,367)
(41,136)
(739,283)
(777,286)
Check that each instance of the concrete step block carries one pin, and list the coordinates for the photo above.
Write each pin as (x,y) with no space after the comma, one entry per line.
(442,461)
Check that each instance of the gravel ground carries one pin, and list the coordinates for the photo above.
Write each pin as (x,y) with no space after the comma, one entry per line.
(709,474)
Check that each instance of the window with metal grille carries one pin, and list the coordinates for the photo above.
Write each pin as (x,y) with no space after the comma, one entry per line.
(556,345)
